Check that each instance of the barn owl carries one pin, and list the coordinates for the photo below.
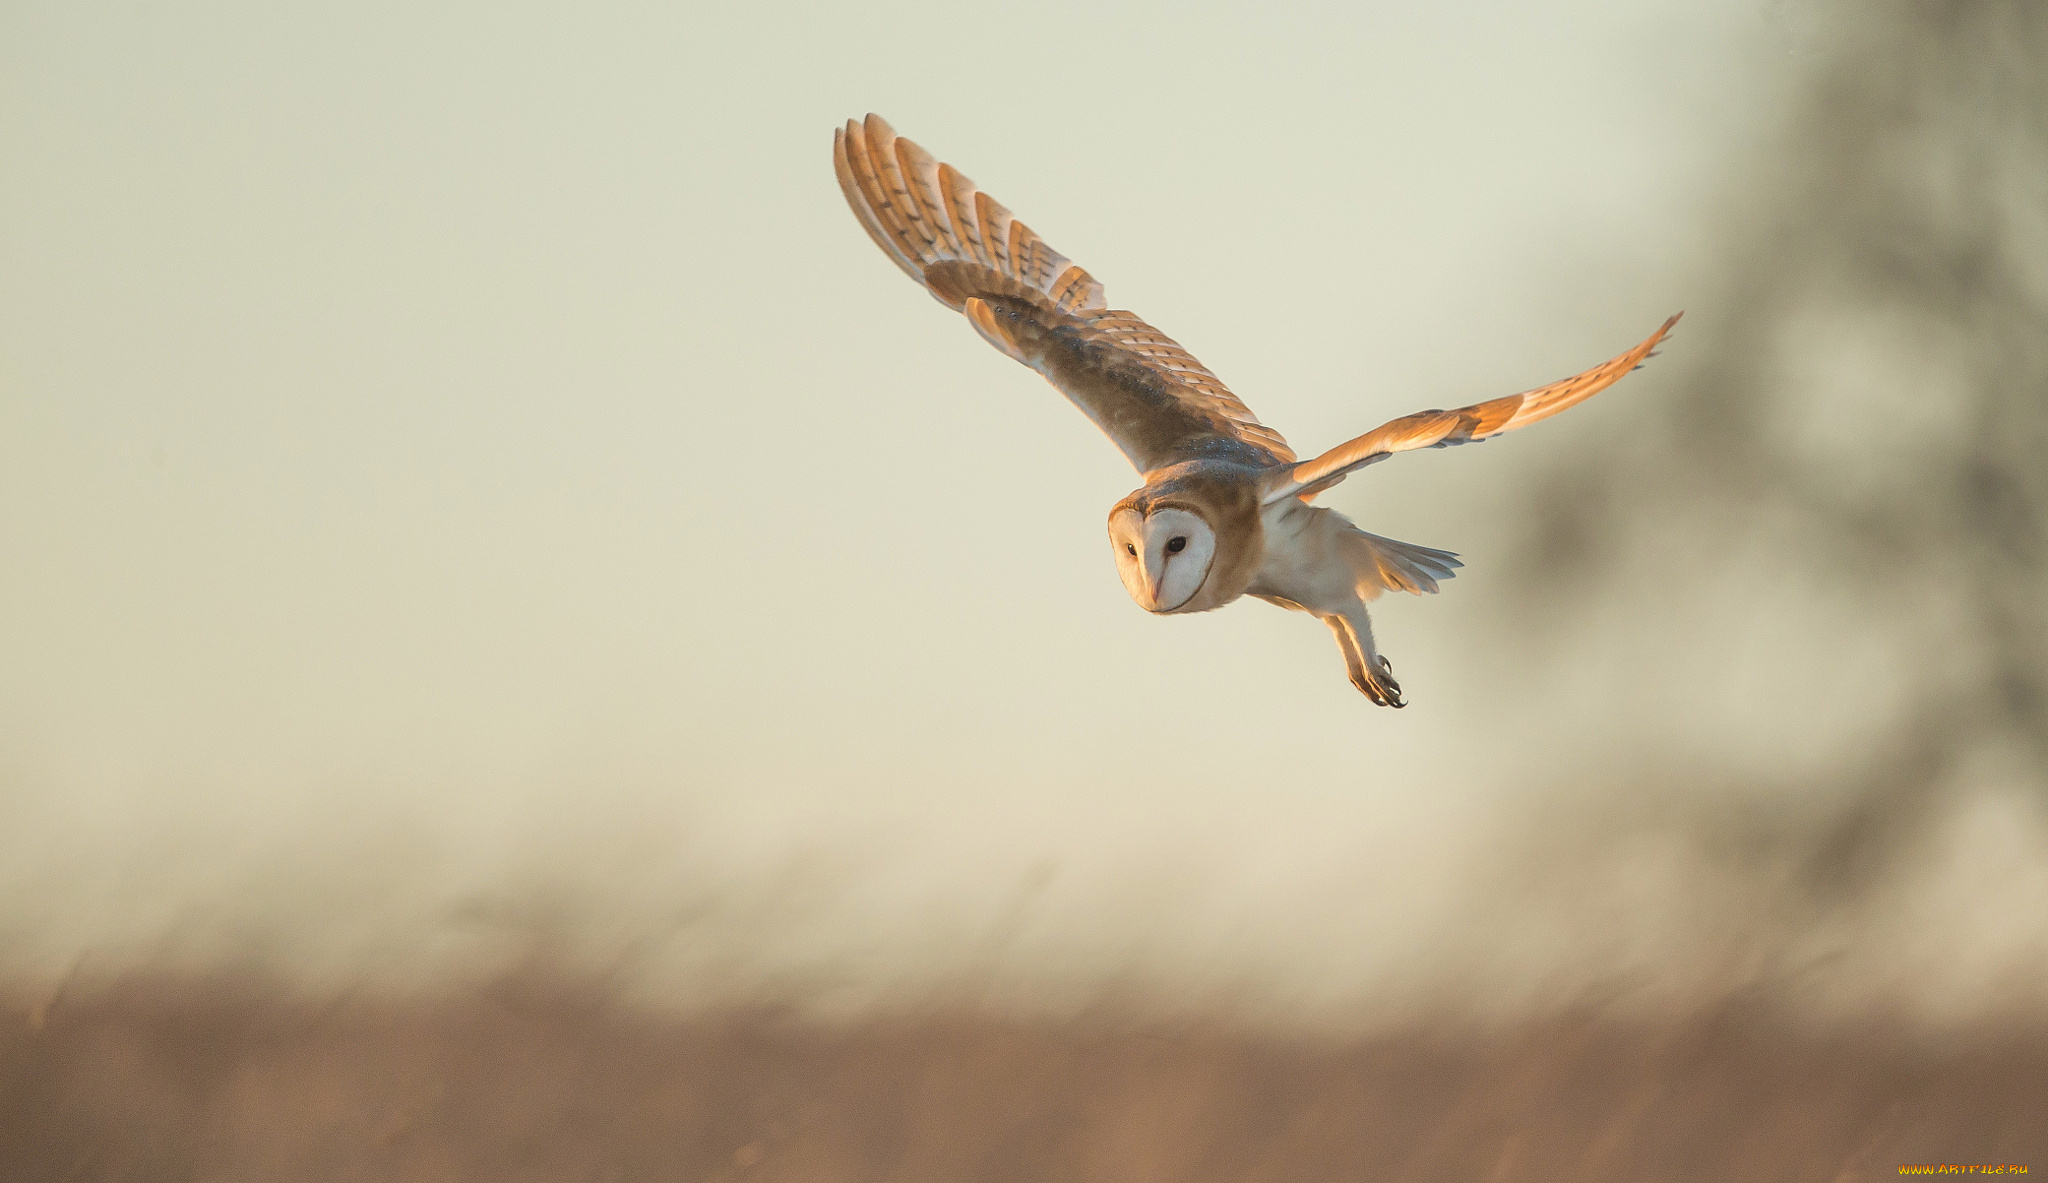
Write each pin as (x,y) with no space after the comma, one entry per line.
(1226,508)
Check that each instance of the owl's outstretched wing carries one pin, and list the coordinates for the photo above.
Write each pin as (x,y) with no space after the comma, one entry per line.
(1150,396)
(1441,429)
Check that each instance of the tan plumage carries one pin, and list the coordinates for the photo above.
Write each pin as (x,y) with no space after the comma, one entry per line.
(1441,429)
(1033,303)
(1224,510)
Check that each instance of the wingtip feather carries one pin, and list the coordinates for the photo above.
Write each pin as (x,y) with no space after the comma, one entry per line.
(923,213)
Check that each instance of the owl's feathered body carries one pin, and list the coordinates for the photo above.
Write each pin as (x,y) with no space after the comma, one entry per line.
(1224,511)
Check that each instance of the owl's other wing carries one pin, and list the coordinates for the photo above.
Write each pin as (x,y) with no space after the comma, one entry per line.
(1151,397)
(1441,429)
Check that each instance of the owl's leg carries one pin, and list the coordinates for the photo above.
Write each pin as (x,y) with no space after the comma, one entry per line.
(1370,672)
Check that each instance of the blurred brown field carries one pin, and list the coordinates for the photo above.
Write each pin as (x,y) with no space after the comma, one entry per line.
(542,1076)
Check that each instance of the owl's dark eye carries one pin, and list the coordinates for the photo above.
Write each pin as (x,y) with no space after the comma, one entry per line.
(1130,548)
(1176,545)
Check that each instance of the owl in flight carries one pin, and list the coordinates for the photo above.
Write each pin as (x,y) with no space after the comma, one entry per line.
(1225,510)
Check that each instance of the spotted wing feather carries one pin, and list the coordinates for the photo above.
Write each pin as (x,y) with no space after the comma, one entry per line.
(923,213)
(1442,429)
(1151,396)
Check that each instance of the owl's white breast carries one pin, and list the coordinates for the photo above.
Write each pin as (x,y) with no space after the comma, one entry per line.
(1304,560)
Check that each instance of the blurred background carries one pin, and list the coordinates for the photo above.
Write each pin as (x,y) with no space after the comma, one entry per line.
(529,650)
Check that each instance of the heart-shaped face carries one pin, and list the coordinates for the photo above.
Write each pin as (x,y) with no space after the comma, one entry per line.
(1163,556)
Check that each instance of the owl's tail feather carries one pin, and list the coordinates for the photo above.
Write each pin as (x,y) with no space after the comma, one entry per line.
(1382,563)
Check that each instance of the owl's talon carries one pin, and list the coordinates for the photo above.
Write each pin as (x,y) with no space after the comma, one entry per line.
(1379,686)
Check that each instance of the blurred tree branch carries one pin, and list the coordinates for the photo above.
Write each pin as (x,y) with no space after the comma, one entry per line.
(1906,199)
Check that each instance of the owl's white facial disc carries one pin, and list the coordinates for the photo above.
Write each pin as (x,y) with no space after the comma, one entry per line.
(1163,558)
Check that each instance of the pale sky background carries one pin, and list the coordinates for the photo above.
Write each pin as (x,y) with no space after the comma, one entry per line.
(460,464)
